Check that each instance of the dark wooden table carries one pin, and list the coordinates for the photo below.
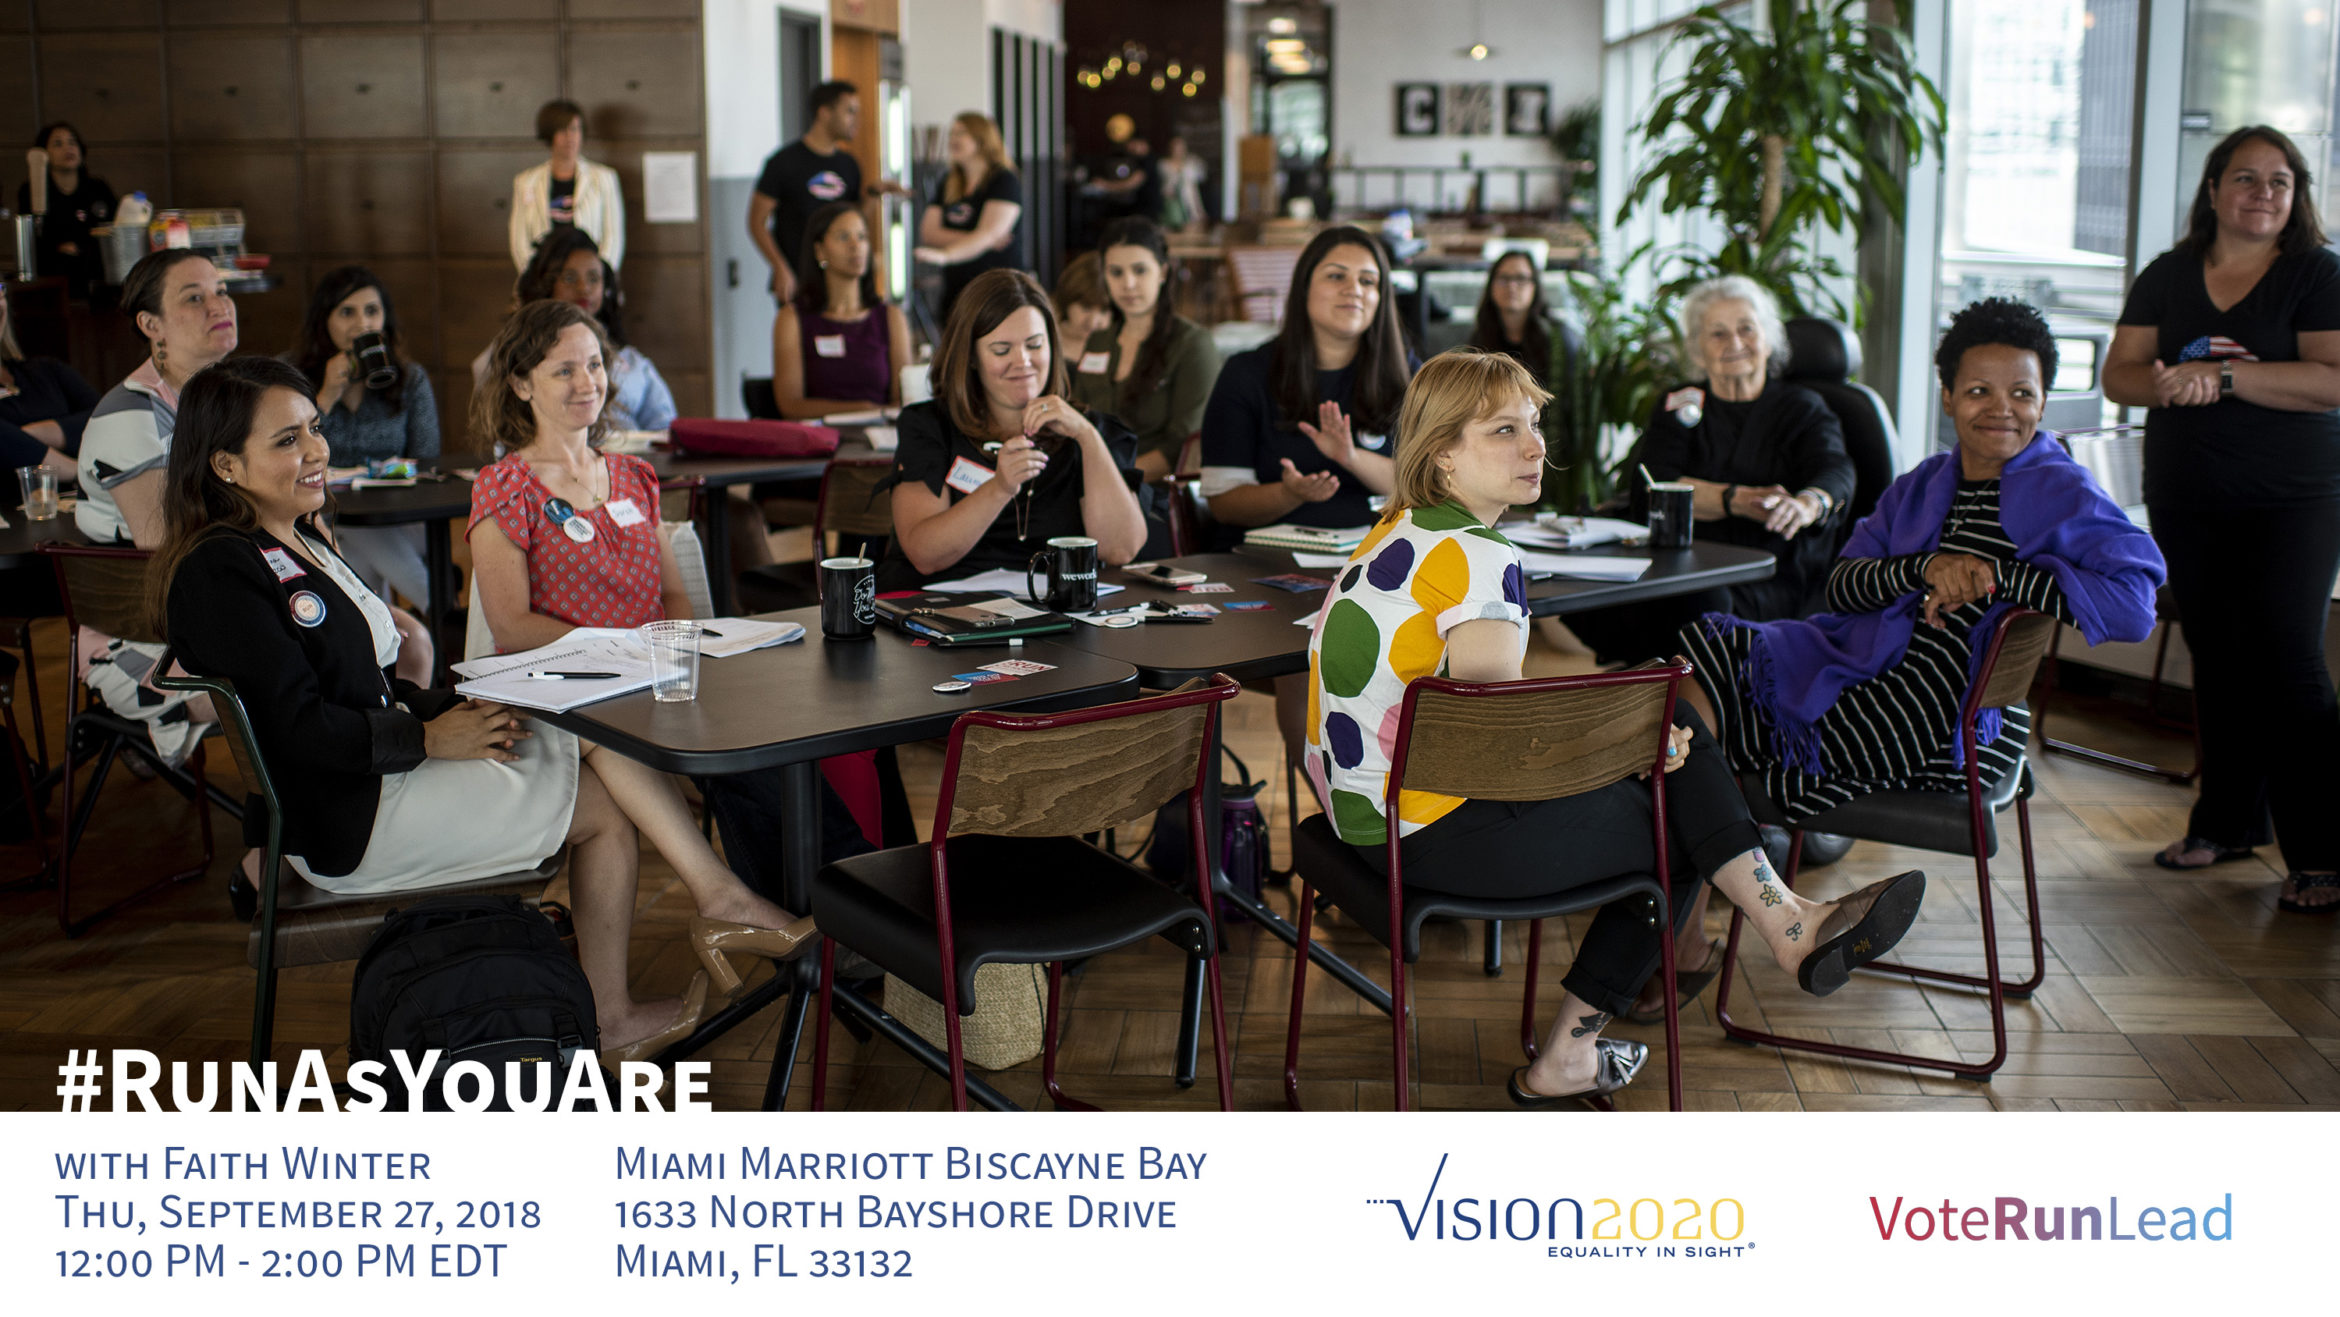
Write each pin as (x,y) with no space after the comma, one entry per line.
(788,707)
(21,541)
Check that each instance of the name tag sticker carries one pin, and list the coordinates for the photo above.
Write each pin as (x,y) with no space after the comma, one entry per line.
(829,345)
(968,475)
(282,564)
(1095,363)
(623,512)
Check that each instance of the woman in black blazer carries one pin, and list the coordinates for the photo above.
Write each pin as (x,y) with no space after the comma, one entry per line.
(387,786)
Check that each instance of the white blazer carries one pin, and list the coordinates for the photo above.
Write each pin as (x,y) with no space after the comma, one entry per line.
(601,211)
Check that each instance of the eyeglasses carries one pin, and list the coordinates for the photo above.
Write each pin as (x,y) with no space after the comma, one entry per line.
(1515,280)
(559,513)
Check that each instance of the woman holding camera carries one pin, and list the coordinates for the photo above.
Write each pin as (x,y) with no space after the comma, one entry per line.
(373,406)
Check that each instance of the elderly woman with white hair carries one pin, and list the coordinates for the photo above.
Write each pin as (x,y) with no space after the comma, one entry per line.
(1765,457)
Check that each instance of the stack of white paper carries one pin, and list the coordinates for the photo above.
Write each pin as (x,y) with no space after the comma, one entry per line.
(507,679)
(1582,567)
(1572,532)
(1001,580)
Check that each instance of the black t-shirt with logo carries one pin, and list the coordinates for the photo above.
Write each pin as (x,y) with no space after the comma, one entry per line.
(2234,453)
(803,180)
(962,215)
(560,203)
(1243,429)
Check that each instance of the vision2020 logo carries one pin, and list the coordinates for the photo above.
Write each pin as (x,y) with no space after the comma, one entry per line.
(1565,1227)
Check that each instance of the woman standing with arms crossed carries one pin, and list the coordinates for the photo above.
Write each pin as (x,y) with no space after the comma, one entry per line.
(2232,341)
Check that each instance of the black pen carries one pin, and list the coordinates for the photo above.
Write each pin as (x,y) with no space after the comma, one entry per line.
(575,676)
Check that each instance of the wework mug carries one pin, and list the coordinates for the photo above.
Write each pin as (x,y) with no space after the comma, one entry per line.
(373,358)
(1070,564)
(1669,514)
(848,598)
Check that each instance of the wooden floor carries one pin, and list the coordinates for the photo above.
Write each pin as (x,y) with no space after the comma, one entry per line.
(2163,991)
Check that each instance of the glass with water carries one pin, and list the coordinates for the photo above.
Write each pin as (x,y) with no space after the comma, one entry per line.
(674,660)
(40,492)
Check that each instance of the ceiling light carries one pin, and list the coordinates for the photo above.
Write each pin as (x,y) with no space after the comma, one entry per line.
(1480,51)
(1160,82)
(1282,26)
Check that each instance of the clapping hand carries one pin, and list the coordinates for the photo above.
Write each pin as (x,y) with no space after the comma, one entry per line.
(1315,487)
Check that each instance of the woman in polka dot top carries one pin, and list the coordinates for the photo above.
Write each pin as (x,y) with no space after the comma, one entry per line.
(1436,590)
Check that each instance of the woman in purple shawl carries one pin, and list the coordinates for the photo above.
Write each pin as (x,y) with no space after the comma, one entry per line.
(1866,697)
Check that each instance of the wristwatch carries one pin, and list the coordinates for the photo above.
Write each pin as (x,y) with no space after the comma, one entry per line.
(2225,379)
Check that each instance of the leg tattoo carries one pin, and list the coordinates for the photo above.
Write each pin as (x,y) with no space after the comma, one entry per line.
(1795,932)
(1592,1023)
(1769,894)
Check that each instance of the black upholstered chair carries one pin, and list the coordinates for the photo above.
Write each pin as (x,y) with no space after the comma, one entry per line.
(1824,356)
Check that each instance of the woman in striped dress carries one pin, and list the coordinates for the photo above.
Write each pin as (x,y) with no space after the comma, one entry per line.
(1866,697)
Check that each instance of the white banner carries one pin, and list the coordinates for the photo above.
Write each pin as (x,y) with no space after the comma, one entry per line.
(1923,1212)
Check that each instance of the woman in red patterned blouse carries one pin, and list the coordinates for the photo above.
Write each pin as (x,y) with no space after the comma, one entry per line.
(563,536)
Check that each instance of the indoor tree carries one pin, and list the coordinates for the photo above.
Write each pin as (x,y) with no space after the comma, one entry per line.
(1777,133)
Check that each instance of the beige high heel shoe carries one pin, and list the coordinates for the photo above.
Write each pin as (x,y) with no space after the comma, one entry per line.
(715,940)
(694,1008)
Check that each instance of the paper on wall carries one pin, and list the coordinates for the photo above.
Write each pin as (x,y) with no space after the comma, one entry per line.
(670,187)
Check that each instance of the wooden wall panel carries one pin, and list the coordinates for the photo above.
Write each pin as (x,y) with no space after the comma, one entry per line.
(642,236)
(363,86)
(266,184)
(666,305)
(110,85)
(475,200)
(67,15)
(369,201)
(486,85)
(637,84)
(232,88)
(203,13)
(361,11)
(16,98)
(386,133)
(489,11)
(474,297)
(600,9)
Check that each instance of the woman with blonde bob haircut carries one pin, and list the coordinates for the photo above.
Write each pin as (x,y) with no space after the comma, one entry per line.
(1435,590)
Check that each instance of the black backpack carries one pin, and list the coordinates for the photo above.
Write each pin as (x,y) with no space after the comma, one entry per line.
(481,978)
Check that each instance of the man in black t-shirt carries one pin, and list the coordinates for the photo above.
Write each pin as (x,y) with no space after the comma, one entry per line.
(806,175)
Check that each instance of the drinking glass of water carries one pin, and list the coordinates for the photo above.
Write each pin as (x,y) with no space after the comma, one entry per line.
(40,491)
(674,660)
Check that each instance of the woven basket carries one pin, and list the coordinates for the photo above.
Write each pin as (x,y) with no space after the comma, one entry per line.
(1011,1006)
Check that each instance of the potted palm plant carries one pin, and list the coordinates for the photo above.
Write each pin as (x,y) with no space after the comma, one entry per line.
(1807,123)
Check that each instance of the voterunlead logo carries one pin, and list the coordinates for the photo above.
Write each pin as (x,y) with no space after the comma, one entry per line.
(2012,1220)
(1565,1227)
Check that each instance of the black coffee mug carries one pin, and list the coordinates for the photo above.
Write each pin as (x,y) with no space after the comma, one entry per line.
(848,598)
(1669,514)
(373,360)
(1070,562)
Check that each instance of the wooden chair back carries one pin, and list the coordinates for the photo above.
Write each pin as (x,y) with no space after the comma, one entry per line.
(1062,775)
(1263,278)
(1540,739)
(2020,644)
(104,588)
(851,508)
(678,500)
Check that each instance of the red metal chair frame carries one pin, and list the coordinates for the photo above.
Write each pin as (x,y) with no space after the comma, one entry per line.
(1221,689)
(72,828)
(1400,1008)
(1990,981)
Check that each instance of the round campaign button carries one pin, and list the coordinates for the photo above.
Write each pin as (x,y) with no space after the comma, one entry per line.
(952,687)
(307,608)
(578,529)
(1120,620)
